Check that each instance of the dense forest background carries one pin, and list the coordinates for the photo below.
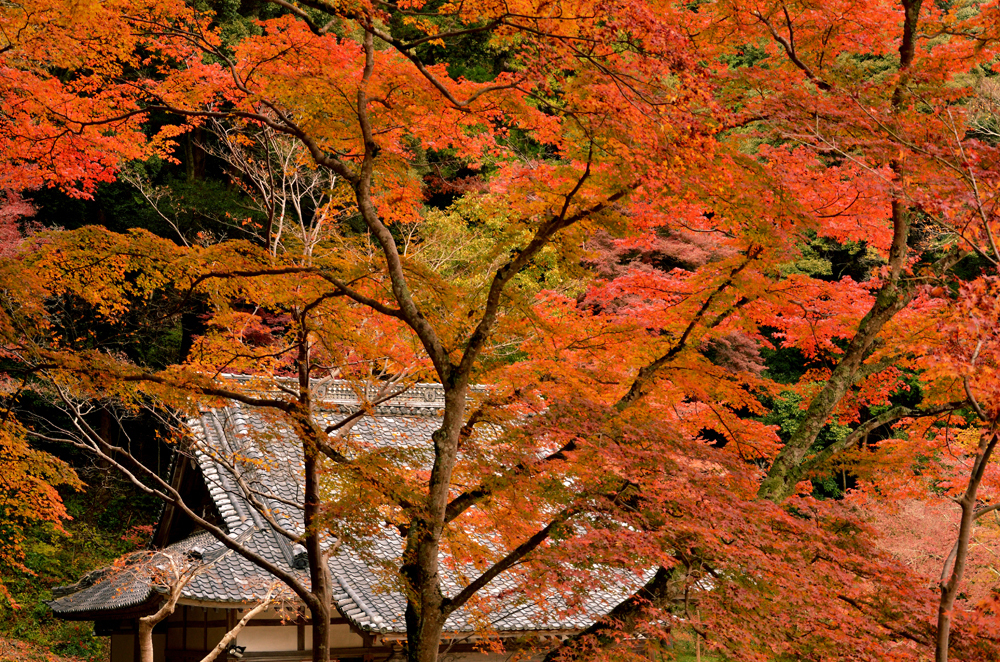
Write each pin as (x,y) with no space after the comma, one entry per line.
(207,193)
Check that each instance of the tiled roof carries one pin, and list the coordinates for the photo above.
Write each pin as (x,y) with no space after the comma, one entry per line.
(237,444)
(102,590)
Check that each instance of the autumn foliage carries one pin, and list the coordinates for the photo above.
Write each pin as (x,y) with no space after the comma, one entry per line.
(708,261)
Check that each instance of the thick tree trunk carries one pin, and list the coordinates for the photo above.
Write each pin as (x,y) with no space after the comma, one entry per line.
(319,570)
(147,623)
(423,635)
(321,588)
(428,609)
(321,632)
(146,640)
(788,468)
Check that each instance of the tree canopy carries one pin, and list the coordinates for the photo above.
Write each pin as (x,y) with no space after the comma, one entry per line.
(709,286)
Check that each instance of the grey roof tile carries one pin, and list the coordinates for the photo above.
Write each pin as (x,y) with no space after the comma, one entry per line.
(236,444)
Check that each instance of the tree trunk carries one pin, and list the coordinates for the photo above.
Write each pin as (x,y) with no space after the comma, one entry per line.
(949,589)
(319,570)
(146,640)
(321,588)
(423,635)
(949,585)
(428,609)
(788,468)
(147,623)
(321,632)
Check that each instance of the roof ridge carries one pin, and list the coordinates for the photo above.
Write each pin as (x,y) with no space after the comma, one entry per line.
(371,615)
(343,391)
(232,512)
(413,409)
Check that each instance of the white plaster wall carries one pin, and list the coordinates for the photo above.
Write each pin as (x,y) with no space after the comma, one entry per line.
(341,636)
(268,638)
(270,612)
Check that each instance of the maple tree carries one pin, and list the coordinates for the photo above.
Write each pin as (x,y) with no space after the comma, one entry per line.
(28,480)
(910,126)
(648,177)
(597,172)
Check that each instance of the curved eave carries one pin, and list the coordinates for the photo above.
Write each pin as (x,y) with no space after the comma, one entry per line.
(144,608)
